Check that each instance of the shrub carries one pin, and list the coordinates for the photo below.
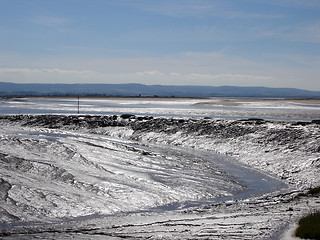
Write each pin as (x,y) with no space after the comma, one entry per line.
(309,226)
(301,123)
(311,191)
(126,116)
(316,121)
(314,190)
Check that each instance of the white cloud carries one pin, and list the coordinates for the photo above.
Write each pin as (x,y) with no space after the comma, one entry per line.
(66,71)
(190,68)
(151,73)
(175,74)
(18,70)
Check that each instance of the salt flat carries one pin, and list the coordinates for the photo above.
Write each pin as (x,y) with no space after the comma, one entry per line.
(225,108)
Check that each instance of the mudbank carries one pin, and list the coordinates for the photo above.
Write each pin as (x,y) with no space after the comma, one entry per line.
(115,176)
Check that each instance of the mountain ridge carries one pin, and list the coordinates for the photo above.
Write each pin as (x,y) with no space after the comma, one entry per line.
(137,89)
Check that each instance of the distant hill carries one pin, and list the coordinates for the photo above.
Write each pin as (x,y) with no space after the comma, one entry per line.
(37,89)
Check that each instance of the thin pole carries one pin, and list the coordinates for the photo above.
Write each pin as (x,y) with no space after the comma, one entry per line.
(78,105)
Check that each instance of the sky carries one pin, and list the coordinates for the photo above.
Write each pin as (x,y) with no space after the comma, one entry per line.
(271,43)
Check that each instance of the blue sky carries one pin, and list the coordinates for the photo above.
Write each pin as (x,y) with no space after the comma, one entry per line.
(273,43)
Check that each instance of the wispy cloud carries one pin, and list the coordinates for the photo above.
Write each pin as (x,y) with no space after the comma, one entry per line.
(177,8)
(186,68)
(298,61)
(206,79)
(294,3)
(50,21)
(18,70)
(193,8)
(51,75)
(248,15)
(302,32)
(231,76)
(43,70)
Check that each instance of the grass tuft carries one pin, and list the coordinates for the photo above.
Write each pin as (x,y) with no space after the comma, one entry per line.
(309,227)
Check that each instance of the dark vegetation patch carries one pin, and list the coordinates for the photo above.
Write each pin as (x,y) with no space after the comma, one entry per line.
(254,121)
(314,191)
(311,192)
(317,121)
(301,123)
(309,226)
(127,116)
(304,123)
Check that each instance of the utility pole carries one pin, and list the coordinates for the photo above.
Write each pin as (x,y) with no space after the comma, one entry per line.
(78,105)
